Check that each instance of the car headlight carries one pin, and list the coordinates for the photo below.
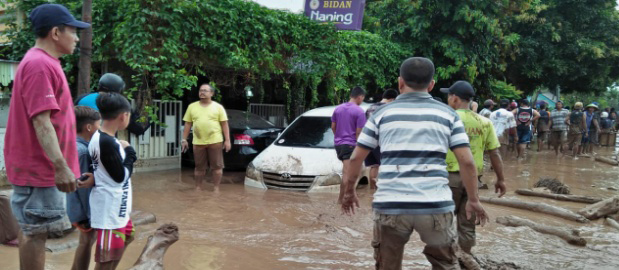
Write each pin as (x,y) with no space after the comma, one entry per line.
(329,180)
(252,172)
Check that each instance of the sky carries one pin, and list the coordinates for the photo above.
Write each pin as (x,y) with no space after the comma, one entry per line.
(295,6)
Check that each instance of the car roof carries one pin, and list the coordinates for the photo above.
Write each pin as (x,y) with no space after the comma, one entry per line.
(246,120)
(327,111)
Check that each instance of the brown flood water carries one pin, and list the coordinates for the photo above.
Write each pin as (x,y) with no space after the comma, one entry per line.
(244,228)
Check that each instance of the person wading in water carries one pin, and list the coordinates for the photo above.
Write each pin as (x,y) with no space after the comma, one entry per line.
(525,116)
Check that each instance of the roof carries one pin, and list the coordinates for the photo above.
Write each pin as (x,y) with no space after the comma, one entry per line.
(328,110)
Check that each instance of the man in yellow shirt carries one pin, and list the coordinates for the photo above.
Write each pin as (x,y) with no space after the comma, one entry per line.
(211,134)
(482,138)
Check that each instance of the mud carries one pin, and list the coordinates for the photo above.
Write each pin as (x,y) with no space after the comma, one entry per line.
(245,228)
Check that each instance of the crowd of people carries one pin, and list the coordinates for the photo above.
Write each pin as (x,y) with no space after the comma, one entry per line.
(52,146)
(575,132)
(426,157)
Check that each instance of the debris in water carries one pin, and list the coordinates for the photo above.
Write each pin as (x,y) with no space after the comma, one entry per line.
(536,207)
(488,264)
(560,197)
(572,236)
(554,185)
(601,209)
(612,223)
(156,247)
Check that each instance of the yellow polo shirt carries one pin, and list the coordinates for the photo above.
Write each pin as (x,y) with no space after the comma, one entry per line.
(206,122)
(481,137)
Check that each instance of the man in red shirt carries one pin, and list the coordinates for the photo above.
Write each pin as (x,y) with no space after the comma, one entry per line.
(40,145)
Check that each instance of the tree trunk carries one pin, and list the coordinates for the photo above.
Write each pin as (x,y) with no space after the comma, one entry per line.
(537,207)
(601,209)
(560,197)
(83,79)
(156,247)
(607,160)
(572,236)
(612,223)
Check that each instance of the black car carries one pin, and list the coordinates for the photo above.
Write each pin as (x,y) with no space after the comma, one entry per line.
(249,135)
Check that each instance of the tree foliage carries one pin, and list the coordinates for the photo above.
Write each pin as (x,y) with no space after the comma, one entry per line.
(166,44)
(506,48)
(606,99)
(503,46)
(467,40)
(571,44)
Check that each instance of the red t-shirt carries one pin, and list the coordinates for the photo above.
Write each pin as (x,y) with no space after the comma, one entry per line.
(40,85)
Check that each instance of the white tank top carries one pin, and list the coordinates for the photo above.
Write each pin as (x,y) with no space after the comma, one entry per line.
(110,201)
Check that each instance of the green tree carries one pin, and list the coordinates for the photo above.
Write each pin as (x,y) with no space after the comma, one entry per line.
(164,45)
(567,43)
(467,40)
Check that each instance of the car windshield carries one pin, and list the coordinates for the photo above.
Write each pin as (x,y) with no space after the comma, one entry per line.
(314,132)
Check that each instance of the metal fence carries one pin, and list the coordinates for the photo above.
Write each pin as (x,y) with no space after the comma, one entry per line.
(275,113)
(162,139)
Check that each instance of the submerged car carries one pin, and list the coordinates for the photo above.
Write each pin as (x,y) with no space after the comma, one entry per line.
(249,135)
(302,158)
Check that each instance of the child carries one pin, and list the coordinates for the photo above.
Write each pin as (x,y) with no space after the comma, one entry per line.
(78,207)
(111,198)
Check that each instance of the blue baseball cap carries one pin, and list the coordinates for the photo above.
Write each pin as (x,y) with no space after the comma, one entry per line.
(49,15)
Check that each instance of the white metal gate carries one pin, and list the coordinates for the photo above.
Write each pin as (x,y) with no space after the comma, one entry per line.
(159,147)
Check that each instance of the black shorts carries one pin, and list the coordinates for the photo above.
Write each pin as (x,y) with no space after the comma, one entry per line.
(373,159)
(344,151)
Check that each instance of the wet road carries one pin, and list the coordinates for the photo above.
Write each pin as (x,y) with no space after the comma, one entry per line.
(244,228)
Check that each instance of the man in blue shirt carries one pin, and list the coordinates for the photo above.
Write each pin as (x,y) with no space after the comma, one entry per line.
(109,82)
(112,83)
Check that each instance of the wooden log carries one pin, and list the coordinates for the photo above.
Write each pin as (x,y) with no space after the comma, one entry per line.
(601,209)
(572,236)
(156,247)
(140,217)
(613,223)
(609,161)
(537,207)
(560,197)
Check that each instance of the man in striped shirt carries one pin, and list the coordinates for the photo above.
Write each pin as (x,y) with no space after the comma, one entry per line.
(558,126)
(414,134)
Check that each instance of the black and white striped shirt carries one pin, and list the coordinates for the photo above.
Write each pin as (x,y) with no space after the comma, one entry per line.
(414,134)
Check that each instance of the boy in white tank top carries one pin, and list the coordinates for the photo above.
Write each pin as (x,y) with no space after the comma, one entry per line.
(111,198)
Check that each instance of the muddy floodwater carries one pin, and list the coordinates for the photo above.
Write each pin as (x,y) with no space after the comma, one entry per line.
(245,228)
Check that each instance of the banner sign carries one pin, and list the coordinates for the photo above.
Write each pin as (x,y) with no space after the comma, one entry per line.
(345,14)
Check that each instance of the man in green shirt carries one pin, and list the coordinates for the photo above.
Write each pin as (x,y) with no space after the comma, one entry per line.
(482,138)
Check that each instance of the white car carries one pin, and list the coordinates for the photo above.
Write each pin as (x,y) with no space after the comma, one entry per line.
(302,158)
